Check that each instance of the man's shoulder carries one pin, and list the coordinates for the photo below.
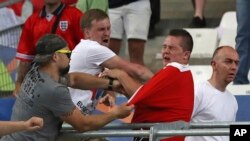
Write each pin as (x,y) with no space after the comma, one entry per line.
(73,9)
(52,85)
(35,15)
(204,88)
(49,84)
(178,66)
(201,85)
(87,44)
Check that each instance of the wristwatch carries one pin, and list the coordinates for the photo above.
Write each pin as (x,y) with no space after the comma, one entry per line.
(110,86)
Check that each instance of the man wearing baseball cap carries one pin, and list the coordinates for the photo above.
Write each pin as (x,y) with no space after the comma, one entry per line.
(42,95)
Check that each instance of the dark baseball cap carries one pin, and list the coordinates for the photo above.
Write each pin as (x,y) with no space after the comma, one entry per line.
(49,44)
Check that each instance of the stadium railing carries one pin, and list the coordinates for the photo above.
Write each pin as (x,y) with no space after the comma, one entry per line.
(154,131)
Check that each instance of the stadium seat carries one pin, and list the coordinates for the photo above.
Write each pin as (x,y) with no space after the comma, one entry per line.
(205,42)
(201,72)
(243,113)
(228,38)
(228,20)
(6,105)
(227,29)
(239,89)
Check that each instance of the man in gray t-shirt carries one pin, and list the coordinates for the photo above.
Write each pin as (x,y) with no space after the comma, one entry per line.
(41,95)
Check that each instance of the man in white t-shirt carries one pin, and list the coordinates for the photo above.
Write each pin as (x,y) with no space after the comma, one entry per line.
(91,56)
(213,103)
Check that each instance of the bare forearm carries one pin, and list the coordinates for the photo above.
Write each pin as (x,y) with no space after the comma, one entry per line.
(8,127)
(129,84)
(86,81)
(145,74)
(96,122)
(85,123)
(22,70)
(139,72)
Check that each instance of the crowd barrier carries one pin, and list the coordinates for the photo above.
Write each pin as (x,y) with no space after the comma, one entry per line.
(155,131)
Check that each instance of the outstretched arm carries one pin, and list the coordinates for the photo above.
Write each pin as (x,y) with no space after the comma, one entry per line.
(139,72)
(84,123)
(32,124)
(86,81)
(129,84)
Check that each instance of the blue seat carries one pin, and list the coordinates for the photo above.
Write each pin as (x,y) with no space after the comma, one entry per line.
(6,105)
(243,113)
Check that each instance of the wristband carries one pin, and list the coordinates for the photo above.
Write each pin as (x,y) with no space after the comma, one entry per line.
(110,86)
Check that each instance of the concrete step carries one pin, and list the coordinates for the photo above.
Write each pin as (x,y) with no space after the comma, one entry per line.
(179,9)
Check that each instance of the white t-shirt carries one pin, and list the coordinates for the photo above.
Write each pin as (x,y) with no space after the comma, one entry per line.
(212,105)
(87,57)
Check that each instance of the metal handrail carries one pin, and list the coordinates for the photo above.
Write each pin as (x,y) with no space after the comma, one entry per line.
(148,125)
(146,133)
(155,131)
(217,124)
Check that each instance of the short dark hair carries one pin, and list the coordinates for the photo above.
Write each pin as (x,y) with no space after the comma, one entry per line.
(187,38)
(91,15)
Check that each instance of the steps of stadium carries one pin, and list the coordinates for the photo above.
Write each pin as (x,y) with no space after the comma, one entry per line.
(181,9)
(178,14)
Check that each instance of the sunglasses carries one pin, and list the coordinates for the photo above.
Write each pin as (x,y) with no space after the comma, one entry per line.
(64,51)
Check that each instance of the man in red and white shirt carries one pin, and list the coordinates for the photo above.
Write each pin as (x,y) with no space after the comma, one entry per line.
(169,95)
(43,22)
(38,4)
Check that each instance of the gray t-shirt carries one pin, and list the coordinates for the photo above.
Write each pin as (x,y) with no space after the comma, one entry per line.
(43,97)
